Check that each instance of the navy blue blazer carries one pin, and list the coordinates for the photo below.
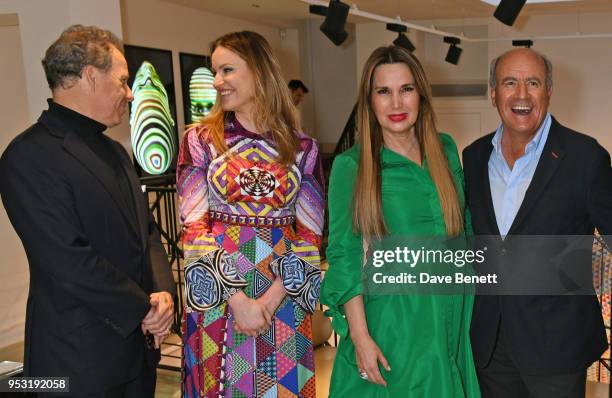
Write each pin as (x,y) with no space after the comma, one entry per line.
(570,194)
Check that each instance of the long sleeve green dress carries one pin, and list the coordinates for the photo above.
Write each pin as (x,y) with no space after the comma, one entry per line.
(424,337)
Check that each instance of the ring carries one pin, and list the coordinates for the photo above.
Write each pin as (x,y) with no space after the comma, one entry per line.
(363,374)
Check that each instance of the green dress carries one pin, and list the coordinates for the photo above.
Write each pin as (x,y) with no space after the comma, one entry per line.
(425,338)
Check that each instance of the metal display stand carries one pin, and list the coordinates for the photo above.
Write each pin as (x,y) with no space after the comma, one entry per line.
(161,197)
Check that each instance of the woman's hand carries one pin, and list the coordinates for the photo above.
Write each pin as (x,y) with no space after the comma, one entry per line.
(368,355)
(274,296)
(251,317)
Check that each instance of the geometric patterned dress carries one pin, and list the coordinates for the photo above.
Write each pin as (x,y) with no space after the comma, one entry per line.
(248,219)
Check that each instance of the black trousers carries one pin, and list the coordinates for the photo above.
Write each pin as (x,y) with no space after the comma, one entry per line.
(143,386)
(502,379)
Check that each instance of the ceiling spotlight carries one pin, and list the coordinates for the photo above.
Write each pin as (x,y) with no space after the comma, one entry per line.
(318,10)
(333,26)
(454,52)
(402,40)
(522,43)
(396,27)
(508,10)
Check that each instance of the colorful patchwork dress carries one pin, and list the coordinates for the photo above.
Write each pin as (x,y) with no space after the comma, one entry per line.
(246,220)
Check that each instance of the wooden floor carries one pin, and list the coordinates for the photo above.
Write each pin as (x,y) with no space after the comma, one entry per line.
(168,381)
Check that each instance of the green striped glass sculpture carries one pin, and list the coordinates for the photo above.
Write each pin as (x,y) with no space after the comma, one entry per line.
(152,127)
(202,94)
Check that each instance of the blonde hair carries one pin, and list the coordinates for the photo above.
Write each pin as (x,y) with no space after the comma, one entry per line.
(273,109)
(368,215)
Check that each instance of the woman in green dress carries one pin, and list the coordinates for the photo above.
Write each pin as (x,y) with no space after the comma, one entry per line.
(403,178)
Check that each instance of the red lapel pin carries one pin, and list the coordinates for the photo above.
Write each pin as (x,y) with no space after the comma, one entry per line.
(555,155)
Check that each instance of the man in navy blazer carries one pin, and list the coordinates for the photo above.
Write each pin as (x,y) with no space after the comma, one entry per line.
(99,276)
(534,176)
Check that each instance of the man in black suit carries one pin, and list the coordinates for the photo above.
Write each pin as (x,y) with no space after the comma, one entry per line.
(534,176)
(99,276)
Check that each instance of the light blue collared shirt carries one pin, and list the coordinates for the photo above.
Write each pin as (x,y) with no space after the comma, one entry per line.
(508,187)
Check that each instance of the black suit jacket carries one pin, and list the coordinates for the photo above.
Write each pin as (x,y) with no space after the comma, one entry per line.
(93,260)
(570,194)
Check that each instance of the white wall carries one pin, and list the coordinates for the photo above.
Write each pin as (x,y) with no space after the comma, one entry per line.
(164,25)
(582,73)
(41,22)
(289,53)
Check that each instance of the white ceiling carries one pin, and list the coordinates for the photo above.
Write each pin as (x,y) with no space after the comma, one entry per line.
(288,13)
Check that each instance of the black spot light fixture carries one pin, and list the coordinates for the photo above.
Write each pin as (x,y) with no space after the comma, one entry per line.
(402,40)
(508,10)
(454,52)
(522,43)
(333,26)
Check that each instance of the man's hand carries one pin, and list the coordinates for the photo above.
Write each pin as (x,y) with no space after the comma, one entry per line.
(160,317)
(251,317)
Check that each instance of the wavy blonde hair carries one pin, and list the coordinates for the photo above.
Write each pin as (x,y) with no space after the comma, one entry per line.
(273,109)
(368,216)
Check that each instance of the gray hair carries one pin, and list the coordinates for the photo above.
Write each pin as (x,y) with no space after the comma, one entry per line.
(77,47)
(547,64)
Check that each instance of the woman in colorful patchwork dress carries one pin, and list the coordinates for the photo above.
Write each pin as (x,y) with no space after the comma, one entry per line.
(250,188)
(403,179)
